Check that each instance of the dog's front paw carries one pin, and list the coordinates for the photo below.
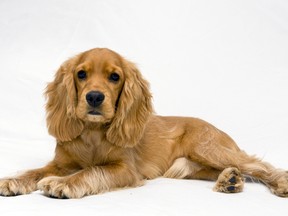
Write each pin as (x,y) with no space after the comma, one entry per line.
(60,187)
(230,181)
(14,186)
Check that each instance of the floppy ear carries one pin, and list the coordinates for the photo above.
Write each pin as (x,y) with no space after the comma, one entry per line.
(133,110)
(61,96)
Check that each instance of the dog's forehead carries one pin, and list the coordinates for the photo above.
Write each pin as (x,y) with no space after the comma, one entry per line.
(101,57)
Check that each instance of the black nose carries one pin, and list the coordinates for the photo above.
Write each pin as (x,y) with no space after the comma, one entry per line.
(95,98)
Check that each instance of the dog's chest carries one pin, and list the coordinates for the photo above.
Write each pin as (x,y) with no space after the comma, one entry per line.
(89,149)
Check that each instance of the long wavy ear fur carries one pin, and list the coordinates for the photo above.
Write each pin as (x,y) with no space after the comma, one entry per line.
(61,96)
(133,111)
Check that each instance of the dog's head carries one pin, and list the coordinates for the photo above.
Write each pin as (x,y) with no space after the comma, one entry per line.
(98,87)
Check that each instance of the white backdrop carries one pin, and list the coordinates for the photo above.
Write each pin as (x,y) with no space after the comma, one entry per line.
(223,61)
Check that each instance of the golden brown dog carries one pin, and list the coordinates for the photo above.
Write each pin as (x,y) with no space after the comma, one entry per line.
(99,110)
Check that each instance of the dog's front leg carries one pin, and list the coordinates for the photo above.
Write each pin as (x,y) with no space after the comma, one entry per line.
(27,182)
(90,180)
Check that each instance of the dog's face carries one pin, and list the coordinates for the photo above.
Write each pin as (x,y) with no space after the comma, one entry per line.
(99,87)
(99,79)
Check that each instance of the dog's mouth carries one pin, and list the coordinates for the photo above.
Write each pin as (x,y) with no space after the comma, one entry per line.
(94,112)
(93,115)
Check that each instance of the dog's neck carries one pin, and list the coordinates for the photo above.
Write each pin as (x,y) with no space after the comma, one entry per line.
(96,126)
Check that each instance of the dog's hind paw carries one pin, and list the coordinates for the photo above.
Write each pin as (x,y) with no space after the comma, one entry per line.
(280,188)
(230,181)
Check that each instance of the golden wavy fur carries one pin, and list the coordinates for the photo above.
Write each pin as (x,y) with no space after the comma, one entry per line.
(99,110)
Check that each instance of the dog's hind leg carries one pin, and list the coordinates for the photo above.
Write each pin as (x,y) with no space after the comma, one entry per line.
(216,149)
(230,180)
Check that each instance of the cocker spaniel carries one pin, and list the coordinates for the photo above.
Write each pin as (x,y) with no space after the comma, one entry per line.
(99,110)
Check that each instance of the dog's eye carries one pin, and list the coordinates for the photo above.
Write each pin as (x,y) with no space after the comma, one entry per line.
(114,77)
(82,75)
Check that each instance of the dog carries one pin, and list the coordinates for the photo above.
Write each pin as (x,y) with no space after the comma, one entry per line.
(100,112)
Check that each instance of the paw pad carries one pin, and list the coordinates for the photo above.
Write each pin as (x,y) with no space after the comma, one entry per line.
(233,180)
(229,181)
